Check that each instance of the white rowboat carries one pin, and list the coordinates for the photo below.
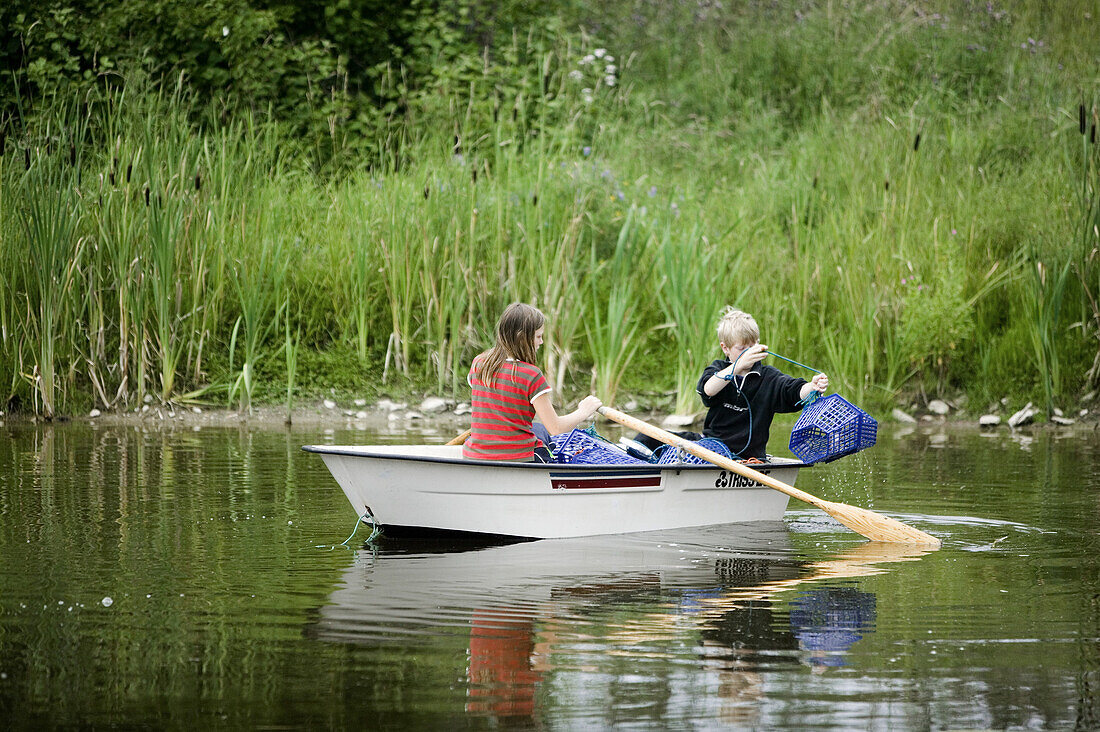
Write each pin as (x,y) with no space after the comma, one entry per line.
(418,487)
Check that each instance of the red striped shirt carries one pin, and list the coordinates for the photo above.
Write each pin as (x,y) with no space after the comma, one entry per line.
(500,427)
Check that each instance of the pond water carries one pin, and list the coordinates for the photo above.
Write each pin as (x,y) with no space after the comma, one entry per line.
(177,578)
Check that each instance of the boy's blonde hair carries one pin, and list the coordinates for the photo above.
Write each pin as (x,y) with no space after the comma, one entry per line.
(737,328)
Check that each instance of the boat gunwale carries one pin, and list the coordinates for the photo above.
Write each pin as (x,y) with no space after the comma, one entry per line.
(647,467)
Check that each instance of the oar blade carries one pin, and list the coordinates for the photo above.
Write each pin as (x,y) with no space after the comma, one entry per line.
(875,526)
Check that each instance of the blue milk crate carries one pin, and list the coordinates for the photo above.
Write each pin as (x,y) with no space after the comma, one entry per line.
(830,428)
(580,448)
(673,455)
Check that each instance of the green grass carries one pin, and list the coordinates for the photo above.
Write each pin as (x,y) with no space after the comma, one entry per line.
(193,257)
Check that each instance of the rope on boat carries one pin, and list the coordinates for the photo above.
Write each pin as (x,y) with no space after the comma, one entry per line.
(365,518)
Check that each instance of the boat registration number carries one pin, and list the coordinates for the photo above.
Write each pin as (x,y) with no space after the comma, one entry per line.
(732,480)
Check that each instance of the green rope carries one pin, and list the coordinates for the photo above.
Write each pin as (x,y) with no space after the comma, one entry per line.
(813,395)
(796,363)
(365,517)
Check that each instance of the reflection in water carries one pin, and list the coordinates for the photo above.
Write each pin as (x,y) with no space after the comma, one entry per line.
(537,611)
(501,671)
(828,621)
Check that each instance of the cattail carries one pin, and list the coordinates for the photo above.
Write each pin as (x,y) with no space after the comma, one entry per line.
(916,142)
(815,182)
(1092,134)
(473,172)
(887,185)
(458,146)
(515,113)
(111,176)
(198,181)
(1081,118)
(27,157)
(535,200)
(146,195)
(3,141)
(427,190)
(129,170)
(72,154)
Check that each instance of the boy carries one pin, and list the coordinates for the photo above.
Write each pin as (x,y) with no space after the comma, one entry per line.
(743,396)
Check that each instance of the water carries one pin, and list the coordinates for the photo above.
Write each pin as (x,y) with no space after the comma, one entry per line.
(197,578)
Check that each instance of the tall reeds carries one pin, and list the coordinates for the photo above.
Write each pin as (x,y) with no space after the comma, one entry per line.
(46,254)
(179,255)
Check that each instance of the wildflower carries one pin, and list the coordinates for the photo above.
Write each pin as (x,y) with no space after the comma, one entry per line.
(586,94)
(588,60)
(600,52)
(225,31)
(586,151)
(610,69)
(576,75)
(652,191)
(954,231)
(609,80)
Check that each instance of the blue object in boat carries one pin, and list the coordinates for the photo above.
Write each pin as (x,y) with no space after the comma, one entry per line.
(578,447)
(675,455)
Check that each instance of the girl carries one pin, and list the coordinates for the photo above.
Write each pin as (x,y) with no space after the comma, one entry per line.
(509,391)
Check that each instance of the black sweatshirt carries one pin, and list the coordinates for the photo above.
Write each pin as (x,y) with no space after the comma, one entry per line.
(764,391)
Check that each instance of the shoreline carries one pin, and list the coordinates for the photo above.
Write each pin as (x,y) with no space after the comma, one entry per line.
(435,414)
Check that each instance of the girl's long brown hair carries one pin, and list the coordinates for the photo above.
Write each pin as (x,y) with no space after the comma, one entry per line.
(515,339)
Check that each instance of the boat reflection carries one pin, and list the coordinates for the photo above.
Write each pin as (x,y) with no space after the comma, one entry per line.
(533,613)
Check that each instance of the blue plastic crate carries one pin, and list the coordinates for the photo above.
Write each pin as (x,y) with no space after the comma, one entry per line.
(674,455)
(830,428)
(580,448)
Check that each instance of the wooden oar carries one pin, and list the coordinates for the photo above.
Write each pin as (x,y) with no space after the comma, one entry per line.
(868,523)
(459,439)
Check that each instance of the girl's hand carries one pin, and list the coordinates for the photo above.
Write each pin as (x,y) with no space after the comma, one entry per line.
(820,383)
(589,405)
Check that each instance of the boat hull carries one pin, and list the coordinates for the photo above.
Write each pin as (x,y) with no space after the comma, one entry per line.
(432,487)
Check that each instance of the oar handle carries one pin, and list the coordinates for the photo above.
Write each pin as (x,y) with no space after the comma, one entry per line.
(868,523)
(709,455)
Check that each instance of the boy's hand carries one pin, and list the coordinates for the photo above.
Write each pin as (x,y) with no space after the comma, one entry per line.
(820,383)
(752,356)
(745,359)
